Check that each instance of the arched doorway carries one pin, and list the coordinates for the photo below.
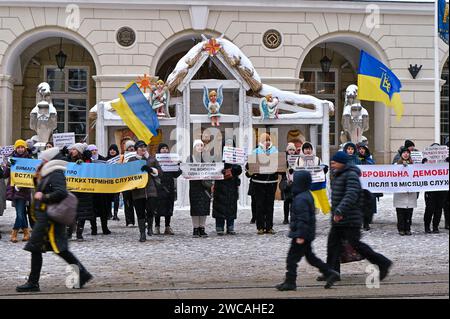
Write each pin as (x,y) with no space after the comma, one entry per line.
(17,94)
(344,52)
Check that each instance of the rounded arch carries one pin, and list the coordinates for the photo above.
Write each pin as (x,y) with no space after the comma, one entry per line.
(26,39)
(173,40)
(351,38)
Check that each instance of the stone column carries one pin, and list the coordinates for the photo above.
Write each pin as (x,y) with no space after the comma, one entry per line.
(6,109)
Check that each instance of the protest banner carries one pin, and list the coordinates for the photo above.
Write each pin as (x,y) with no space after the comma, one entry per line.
(168,161)
(417,157)
(267,164)
(435,154)
(63,139)
(202,171)
(402,179)
(292,159)
(234,155)
(86,178)
(5,152)
(317,173)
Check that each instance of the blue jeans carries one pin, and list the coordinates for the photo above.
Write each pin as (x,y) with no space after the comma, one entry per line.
(220,224)
(21,215)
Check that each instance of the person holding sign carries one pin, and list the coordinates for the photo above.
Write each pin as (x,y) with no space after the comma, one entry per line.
(166,196)
(264,188)
(49,235)
(200,194)
(145,198)
(19,196)
(226,196)
(405,202)
(286,183)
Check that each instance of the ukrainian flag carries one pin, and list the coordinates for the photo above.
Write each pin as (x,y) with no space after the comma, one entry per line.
(378,83)
(319,193)
(137,113)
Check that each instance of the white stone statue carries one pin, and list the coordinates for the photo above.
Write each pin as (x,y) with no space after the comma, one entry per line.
(43,118)
(355,118)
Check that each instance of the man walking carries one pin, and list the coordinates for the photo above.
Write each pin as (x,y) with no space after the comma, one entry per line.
(347,216)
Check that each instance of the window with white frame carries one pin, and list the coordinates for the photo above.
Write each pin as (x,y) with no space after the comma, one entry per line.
(324,86)
(70,96)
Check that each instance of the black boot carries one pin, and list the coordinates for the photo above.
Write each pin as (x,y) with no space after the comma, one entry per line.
(202,232)
(94,228)
(289,284)
(150,226)
(105,229)
(28,287)
(332,277)
(141,224)
(195,233)
(427,229)
(80,232)
(115,216)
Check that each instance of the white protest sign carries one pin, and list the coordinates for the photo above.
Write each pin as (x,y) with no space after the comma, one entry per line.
(6,152)
(435,154)
(317,173)
(63,139)
(402,179)
(417,157)
(202,171)
(292,159)
(168,161)
(234,155)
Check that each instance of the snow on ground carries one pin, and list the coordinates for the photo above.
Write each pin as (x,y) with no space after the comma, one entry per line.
(242,260)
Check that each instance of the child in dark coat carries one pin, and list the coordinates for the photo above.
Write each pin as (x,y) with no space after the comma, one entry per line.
(303,233)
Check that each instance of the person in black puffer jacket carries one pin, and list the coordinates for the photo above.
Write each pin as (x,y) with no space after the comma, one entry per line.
(303,233)
(47,234)
(226,196)
(346,217)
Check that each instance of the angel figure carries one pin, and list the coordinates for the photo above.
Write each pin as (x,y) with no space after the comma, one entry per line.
(268,107)
(159,99)
(213,103)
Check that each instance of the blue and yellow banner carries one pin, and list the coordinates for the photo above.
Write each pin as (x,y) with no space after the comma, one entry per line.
(137,113)
(443,20)
(376,82)
(86,178)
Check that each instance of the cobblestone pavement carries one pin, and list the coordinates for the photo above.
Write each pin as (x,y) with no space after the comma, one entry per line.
(119,260)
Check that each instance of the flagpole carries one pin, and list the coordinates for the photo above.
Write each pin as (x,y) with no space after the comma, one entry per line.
(437,77)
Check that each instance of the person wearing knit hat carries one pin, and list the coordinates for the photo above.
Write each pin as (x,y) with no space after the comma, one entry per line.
(264,188)
(19,196)
(410,145)
(407,144)
(291,147)
(129,146)
(166,196)
(145,199)
(285,185)
(352,151)
(79,147)
(346,216)
(49,235)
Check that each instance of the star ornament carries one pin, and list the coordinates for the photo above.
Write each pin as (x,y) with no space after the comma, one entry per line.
(144,83)
(212,47)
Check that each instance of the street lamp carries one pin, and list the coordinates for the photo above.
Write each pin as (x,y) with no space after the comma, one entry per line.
(61,57)
(325,62)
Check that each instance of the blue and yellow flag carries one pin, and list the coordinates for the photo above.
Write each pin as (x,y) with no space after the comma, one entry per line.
(319,193)
(137,113)
(443,21)
(376,82)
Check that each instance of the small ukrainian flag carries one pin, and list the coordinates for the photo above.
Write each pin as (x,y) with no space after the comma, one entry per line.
(319,193)
(376,82)
(137,113)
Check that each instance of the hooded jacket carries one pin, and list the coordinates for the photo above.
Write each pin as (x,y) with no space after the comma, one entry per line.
(354,159)
(112,147)
(303,216)
(346,197)
(367,158)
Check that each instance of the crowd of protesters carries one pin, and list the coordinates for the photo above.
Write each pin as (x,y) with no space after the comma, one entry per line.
(352,208)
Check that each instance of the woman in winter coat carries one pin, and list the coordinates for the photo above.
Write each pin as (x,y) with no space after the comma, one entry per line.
(226,196)
(113,151)
(405,202)
(352,152)
(265,186)
(100,201)
(49,235)
(79,154)
(18,195)
(166,196)
(286,183)
(145,199)
(199,194)
(369,202)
